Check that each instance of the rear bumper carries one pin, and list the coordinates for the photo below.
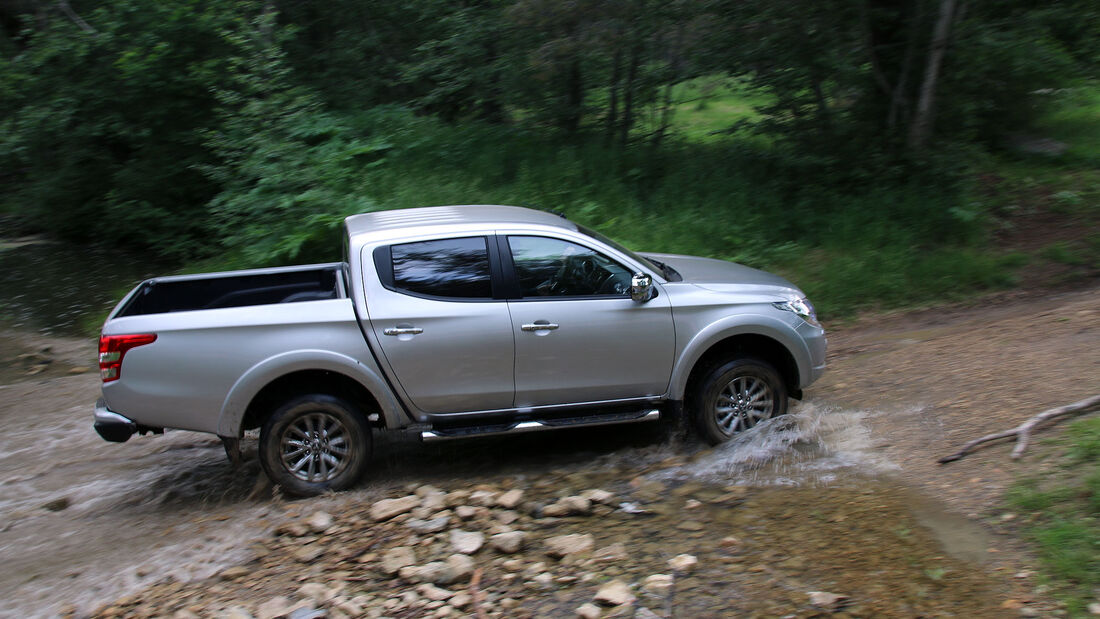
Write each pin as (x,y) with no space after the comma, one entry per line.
(111,426)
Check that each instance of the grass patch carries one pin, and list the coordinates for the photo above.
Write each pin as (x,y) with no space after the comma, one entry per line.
(1064,508)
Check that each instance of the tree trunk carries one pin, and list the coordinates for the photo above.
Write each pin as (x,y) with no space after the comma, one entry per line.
(574,97)
(628,94)
(898,101)
(613,96)
(921,128)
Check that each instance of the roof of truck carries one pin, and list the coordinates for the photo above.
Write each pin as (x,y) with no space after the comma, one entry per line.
(433,216)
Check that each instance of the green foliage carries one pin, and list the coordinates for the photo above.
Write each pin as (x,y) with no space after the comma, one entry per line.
(288,169)
(99,129)
(1065,508)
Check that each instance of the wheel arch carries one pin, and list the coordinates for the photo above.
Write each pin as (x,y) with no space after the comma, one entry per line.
(256,393)
(770,343)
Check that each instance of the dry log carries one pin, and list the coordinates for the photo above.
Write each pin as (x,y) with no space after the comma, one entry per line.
(1022,432)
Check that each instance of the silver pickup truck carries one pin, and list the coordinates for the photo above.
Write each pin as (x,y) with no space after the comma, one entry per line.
(452,322)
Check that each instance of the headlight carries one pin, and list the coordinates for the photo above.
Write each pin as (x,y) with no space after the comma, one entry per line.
(801,307)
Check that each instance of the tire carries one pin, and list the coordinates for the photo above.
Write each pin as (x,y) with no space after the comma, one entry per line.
(315,443)
(735,396)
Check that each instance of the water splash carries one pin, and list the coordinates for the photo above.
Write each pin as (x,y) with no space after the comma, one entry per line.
(813,445)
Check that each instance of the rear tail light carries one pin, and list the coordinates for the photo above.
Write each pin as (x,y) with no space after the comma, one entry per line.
(112,348)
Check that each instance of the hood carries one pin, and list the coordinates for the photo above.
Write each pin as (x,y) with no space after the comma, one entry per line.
(720,274)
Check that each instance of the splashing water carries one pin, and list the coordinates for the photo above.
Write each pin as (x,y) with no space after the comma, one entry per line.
(813,445)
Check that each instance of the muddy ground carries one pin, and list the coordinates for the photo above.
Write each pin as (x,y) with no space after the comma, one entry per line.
(844,497)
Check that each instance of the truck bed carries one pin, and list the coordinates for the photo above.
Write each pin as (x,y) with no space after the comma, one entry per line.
(235,289)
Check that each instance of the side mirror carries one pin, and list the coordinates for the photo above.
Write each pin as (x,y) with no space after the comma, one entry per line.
(641,288)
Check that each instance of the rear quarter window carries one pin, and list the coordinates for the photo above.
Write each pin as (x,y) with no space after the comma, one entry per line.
(448,268)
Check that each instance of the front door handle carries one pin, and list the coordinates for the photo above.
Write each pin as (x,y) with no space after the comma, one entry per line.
(539,326)
(403,331)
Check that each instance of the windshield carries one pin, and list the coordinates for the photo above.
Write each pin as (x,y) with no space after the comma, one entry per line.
(599,237)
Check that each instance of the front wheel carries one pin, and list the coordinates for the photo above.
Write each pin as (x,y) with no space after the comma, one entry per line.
(736,396)
(314,443)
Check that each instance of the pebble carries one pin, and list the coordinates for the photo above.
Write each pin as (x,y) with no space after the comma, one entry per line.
(508,543)
(389,508)
(235,572)
(396,558)
(596,495)
(658,584)
(683,563)
(510,499)
(825,600)
(563,545)
(467,542)
(615,593)
(275,607)
(320,522)
(435,525)
(588,610)
(434,593)
(309,553)
(461,565)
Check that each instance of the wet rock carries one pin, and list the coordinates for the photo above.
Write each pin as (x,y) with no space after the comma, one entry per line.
(564,545)
(508,543)
(466,512)
(615,593)
(461,565)
(614,552)
(275,607)
(467,542)
(602,497)
(389,508)
(320,522)
(483,498)
(434,593)
(505,516)
(307,613)
(658,584)
(827,601)
(510,499)
(435,525)
(461,600)
(729,542)
(632,508)
(396,558)
(292,529)
(569,506)
(235,572)
(683,563)
(436,572)
(317,592)
(309,553)
(588,610)
(56,505)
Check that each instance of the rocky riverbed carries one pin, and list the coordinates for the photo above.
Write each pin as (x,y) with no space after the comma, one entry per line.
(613,543)
(836,510)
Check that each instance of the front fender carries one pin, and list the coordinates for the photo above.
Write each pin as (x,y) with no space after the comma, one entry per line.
(740,324)
(263,373)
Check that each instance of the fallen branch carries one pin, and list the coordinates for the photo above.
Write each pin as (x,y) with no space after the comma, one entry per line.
(1022,432)
(475,594)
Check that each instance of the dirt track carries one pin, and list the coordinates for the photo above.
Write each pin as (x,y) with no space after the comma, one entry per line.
(900,392)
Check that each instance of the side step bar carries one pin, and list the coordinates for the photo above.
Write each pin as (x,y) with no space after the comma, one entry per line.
(519,427)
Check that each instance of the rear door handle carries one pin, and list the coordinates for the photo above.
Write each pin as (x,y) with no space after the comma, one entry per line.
(403,331)
(539,326)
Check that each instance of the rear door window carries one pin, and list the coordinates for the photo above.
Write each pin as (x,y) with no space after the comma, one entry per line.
(448,268)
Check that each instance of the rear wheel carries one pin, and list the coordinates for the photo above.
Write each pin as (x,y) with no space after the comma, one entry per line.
(314,443)
(737,395)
